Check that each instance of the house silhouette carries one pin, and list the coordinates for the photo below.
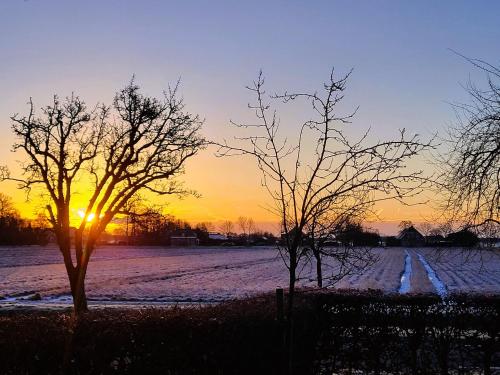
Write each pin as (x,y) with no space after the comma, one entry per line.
(410,237)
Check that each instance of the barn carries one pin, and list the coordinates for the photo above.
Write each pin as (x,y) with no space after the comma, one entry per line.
(410,237)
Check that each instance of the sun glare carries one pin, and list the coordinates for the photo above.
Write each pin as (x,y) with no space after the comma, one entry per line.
(90,217)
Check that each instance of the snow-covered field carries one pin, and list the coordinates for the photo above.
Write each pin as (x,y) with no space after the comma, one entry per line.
(166,275)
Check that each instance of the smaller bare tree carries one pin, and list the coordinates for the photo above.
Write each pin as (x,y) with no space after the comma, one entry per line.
(247,225)
(405,224)
(342,259)
(227,227)
(426,228)
(6,206)
(207,226)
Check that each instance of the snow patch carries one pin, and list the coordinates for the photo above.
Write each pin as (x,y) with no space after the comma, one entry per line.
(406,275)
(434,279)
(145,275)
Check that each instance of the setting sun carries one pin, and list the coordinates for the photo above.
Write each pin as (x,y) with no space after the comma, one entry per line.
(90,217)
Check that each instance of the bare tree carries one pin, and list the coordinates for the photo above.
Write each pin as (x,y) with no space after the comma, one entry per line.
(246,224)
(147,224)
(471,175)
(426,228)
(227,227)
(139,143)
(405,224)
(41,220)
(252,228)
(146,220)
(6,206)
(302,185)
(207,226)
(128,212)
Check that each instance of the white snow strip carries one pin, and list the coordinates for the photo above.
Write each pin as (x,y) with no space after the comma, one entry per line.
(405,277)
(434,279)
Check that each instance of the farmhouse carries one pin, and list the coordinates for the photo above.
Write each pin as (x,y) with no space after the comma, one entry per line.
(410,237)
(217,236)
(489,242)
(184,238)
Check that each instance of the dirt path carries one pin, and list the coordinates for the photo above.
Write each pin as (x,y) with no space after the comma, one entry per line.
(420,282)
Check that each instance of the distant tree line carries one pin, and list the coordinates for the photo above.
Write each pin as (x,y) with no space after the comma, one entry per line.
(149,226)
(17,231)
(140,225)
(354,234)
(437,236)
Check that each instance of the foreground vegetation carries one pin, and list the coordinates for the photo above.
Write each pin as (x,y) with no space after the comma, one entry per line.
(369,332)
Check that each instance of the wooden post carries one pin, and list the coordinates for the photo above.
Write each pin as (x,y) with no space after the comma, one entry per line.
(280,304)
(280,316)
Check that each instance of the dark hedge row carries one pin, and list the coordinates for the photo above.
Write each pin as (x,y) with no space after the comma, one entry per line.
(241,337)
(334,333)
(408,334)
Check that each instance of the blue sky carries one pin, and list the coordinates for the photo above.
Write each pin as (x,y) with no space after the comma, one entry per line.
(404,71)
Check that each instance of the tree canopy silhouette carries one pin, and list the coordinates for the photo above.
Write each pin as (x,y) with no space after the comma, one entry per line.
(471,174)
(139,143)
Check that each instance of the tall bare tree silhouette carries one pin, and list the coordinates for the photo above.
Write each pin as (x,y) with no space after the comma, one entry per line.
(139,143)
(339,171)
(471,173)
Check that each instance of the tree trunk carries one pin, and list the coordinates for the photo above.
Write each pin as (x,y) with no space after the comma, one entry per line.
(319,272)
(488,351)
(291,292)
(77,283)
(76,275)
(289,324)
(78,292)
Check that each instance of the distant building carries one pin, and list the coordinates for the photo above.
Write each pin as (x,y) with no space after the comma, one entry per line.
(410,237)
(463,238)
(489,242)
(217,236)
(184,238)
(435,240)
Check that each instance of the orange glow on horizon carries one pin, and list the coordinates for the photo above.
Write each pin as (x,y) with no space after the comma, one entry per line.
(230,188)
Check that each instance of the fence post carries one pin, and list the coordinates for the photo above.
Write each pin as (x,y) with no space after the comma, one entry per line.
(280,316)
(280,304)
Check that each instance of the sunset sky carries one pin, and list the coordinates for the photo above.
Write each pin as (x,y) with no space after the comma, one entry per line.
(405,74)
